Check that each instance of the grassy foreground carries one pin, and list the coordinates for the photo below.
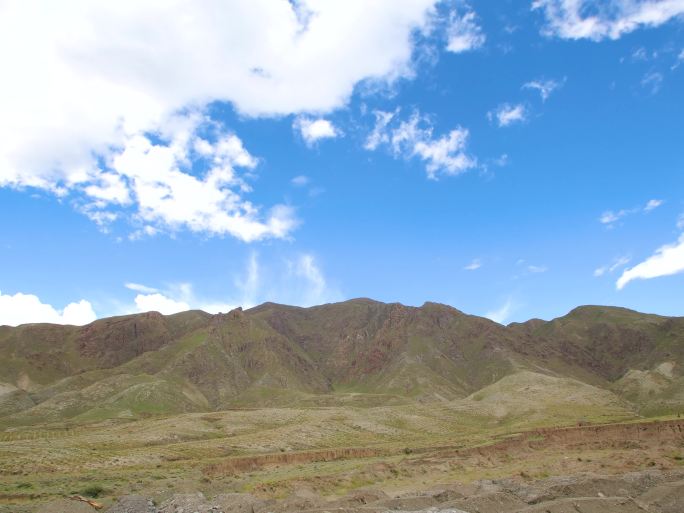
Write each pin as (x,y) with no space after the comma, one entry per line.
(161,455)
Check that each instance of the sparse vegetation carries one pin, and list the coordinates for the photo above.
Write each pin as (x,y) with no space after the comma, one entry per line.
(94,491)
(113,419)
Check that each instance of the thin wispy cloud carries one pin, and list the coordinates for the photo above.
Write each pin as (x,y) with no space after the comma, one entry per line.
(300,181)
(137,287)
(609,218)
(678,62)
(297,280)
(653,81)
(473,265)
(502,313)
(612,267)
(544,87)
(653,204)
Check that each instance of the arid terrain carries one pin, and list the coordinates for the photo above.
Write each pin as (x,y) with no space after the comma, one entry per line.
(351,406)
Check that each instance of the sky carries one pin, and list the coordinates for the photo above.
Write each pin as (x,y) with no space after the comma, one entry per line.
(514,159)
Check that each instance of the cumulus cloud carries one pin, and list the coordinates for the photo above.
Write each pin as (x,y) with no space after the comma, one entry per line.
(667,260)
(474,265)
(91,88)
(313,130)
(464,33)
(169,195)
(159,303)
(411,138)
(174,298)
(27,308)
(545,87)
(507,114)
(585,19)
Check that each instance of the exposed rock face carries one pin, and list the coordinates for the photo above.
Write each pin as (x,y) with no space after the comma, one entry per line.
(133,504)
(249,463)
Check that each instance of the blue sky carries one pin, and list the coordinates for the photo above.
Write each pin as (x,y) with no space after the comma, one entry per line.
(512,159)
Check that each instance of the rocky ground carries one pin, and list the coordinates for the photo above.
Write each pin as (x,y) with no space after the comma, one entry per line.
(653,491)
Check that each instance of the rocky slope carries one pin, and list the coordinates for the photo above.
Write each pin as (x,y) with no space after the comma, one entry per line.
(359,352)
(636,492)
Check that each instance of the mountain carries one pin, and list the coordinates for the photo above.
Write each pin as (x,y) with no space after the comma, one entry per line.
(359,352)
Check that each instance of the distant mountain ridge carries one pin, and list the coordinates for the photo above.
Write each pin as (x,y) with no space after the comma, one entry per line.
(359,352)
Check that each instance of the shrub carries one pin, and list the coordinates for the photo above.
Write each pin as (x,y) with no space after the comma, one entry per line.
(93,491)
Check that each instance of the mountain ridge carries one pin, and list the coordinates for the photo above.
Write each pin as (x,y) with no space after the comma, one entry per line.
(359,351)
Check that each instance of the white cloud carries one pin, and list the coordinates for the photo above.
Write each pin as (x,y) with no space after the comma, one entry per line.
(585,19)
(537,269)
(545,87)
(300,181)
(678,62)
(310,282)
(667,260)
(250,283)
(502,314)
(379,134)
(616,264)
(680,222)
(169,196)
(507,114)
(159,303)
(463,33)
(640,54)
(414,138)
(313,130)
(445,155)
(652,81)
(296,281)
(610,217)
(653,204)
(86,83)
(502,160)
(27,308)
(474,265)
(137,287)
